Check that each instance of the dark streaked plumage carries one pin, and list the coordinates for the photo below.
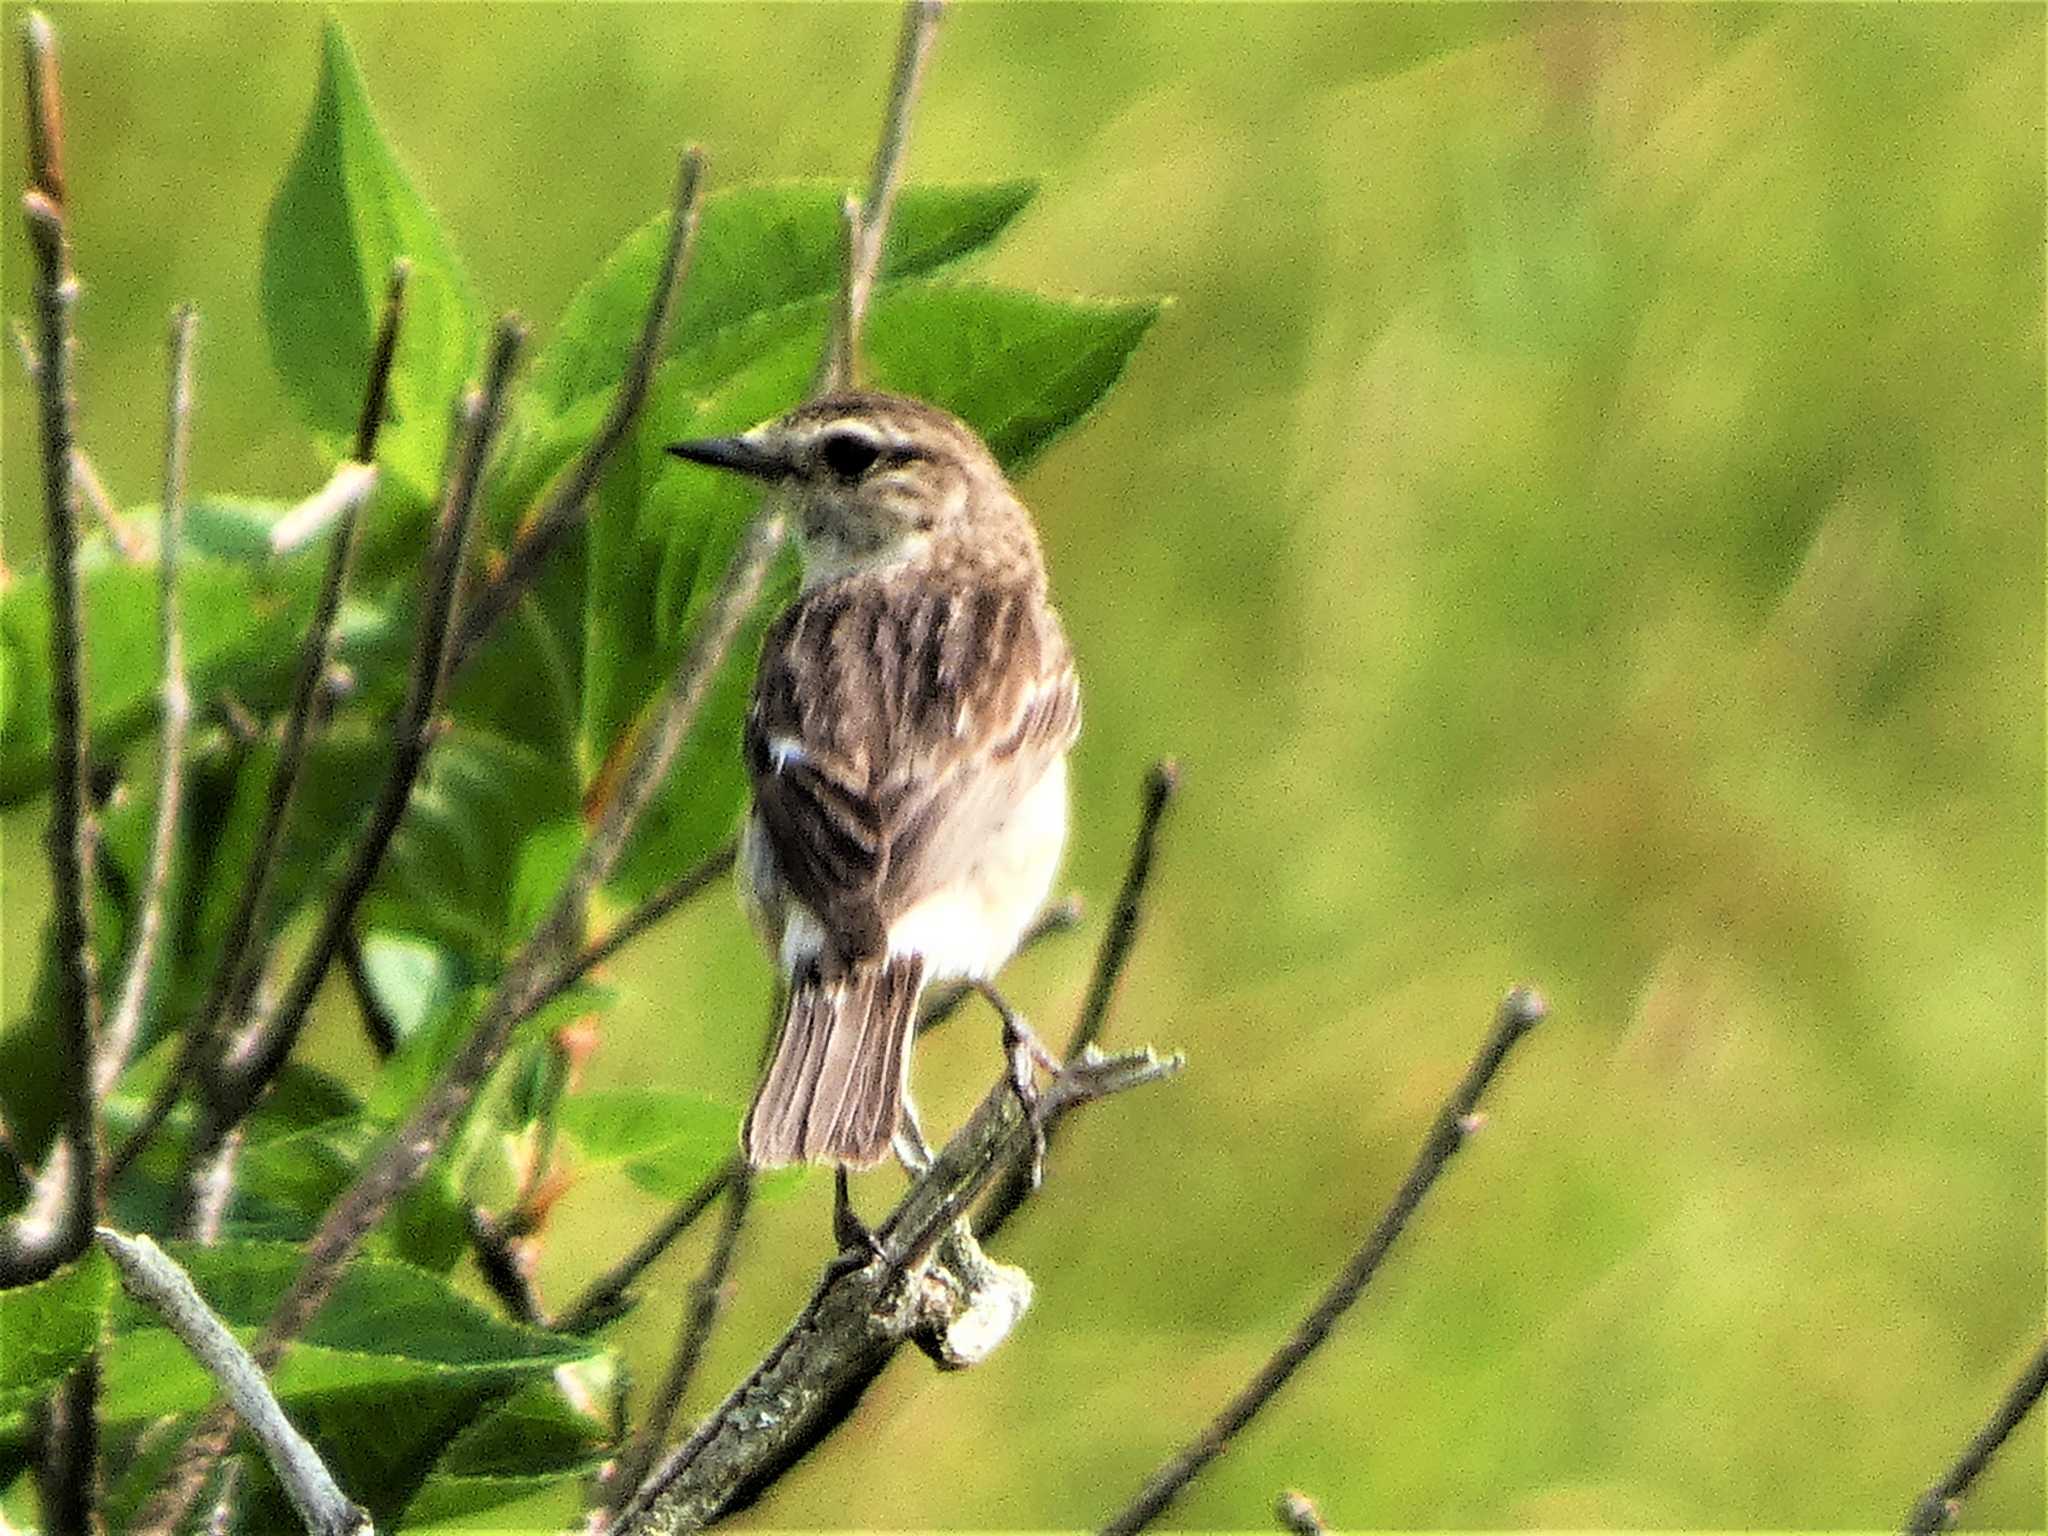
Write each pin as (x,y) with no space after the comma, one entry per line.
(911,716)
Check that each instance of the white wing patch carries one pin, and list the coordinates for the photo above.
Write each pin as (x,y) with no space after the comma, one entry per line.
(784,750)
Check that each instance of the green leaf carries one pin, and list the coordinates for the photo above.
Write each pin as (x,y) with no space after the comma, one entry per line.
(758,248)
(669,1141)
(412,979)
(239,617)
(343,214)
(545,860)
(534,1444)
(48,1327)
(391,1334)
(453,867)
(388,1323)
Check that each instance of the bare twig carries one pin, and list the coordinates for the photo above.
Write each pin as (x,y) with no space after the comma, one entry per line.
(126,1022)
(250,1068)
(124,536)
(504,1268)
(1110,960)
(545,527)
(868,220)
(404,1155)
(1938,1507)
(377,1021)
(857,1318)
(67,1447)
(156,1280)
(691,882)
(1520,1011)
(606,1297)
(707,1297)
(27,1254)
(242,950)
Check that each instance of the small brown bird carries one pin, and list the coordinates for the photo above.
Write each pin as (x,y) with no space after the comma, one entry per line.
(907,747)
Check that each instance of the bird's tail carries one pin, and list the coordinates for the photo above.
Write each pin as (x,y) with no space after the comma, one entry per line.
(835,1088)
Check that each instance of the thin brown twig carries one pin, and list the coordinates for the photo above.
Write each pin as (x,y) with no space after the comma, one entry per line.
(256,1061)
(405,1155)
(1125,918)
(608,1296)
(1937,1508)
(867,222)
(27,1254)
(122,1028)
(693,881)
(1520,1011)
(241,963)
(378,1024)
(554,517)
(707,1297)
(122,534)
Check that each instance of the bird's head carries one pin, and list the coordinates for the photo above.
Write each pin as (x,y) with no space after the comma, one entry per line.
(872,478)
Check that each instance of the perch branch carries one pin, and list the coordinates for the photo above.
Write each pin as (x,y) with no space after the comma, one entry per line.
(156,1280)
(544,528)
(707,1298)
(608,1296)
(1520,1011)
(1938,1507)
(241,963)
(856,1319)
(126,1023)
(30,1250)
(1110,960)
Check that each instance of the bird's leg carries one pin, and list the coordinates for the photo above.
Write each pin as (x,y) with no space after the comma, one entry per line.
(912,1150)
(1023,1048)
(858,1245)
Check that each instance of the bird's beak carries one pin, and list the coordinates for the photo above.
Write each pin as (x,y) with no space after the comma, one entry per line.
(746,454)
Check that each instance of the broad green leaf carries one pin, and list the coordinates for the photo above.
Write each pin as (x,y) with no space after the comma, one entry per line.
(532,1445)
(669,1141)
(387,1323)
(545,860)
(239,617)
(343,214)
(48,1327)
(391,1334)
(452,869)
(757,248)
(412,979)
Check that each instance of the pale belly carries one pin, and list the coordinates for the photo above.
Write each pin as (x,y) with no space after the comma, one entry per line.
(968,929)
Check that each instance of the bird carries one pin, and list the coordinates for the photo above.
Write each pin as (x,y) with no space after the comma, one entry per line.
(906,745)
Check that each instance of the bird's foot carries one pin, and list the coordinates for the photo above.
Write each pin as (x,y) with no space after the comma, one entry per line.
(858,1245)
(1024,1050)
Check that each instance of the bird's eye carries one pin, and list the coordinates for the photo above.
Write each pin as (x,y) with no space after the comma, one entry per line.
(848,456)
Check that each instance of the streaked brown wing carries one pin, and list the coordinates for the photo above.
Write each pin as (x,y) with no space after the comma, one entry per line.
(895,722)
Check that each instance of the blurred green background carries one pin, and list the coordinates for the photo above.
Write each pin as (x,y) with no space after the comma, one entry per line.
(1581,522)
